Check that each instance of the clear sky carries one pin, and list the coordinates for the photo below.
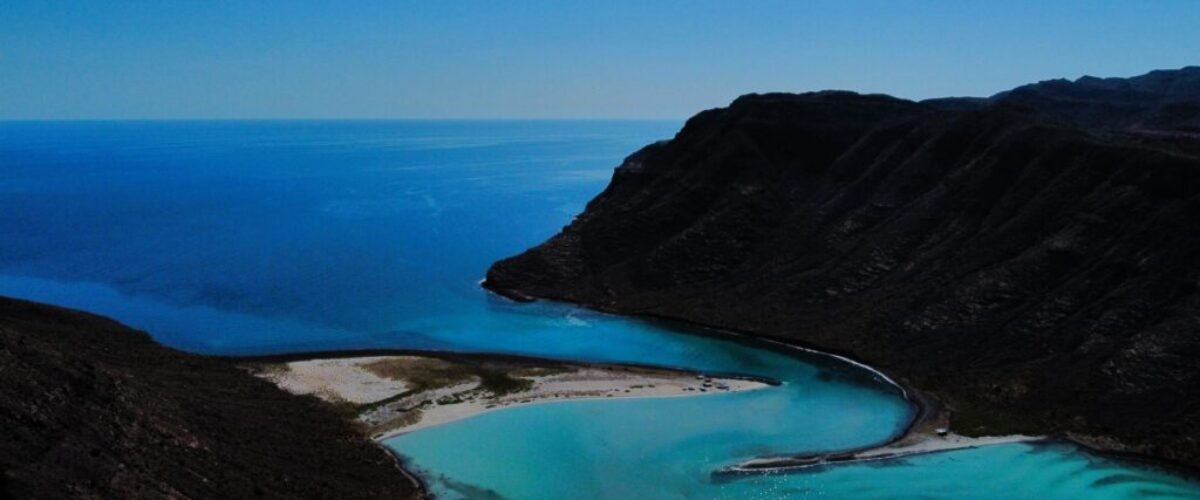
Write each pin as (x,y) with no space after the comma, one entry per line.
(546,59)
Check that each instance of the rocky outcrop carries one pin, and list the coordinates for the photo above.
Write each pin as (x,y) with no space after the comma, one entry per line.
(1030,258)
(92,409)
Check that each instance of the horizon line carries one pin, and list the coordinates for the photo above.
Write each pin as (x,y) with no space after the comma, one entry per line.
(364,119)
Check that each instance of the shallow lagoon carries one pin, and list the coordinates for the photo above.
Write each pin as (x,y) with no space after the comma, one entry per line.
(261,237)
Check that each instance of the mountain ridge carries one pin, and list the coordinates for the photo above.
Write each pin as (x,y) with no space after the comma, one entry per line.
(1026,258)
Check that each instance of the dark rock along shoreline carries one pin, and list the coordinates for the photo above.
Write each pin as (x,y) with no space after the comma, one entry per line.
(92,409)
(1029,259)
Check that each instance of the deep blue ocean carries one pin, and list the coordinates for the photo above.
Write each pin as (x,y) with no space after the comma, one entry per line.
(255,237)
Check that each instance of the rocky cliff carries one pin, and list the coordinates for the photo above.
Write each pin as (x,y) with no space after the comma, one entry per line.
(92,409)
(1029,258)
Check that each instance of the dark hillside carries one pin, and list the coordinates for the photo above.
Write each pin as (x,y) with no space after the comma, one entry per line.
(1032,259)
(92,409)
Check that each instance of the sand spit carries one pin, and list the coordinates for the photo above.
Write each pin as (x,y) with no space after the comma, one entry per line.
(930,431)
(912,444)
(397,394)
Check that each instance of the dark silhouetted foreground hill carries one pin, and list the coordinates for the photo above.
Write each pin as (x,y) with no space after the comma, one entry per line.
(1033,258)
(92,409)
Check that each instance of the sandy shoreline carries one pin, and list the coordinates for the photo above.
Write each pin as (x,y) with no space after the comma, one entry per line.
(443,414)
(620,381)
(910,445)
(392,395)
(928,432)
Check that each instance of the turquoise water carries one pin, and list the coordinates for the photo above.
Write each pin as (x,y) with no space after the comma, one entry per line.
(263,237)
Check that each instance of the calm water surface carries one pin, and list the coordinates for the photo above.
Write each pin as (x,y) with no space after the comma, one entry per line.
(267,237)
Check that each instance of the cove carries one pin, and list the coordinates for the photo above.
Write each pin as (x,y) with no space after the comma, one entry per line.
(240,238)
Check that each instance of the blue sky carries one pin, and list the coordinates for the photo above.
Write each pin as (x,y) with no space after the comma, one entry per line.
(550,59)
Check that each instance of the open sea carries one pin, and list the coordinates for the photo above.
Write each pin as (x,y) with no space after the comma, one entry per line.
(257,237)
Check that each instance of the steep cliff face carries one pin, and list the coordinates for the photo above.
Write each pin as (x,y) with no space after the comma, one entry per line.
(92,409)
(1035,269)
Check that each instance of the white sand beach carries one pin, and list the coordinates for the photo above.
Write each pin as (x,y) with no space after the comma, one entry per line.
(914,443)
(928,443)
(336,380)
(398,394)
